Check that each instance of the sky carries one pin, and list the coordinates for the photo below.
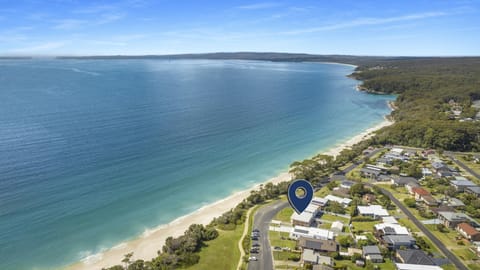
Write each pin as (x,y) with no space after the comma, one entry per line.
(138,27)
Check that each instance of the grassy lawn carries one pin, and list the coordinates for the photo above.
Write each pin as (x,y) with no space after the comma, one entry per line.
(474,266)
(472,165)
(283,255)
(448,239)
(449,266)
(324,191)
(366,226)
(332,218)
(225,244)
(284,215)
(276,239)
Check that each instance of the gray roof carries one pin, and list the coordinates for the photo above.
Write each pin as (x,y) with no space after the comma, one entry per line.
(317,244)
(454,216)
(403,180)
(370,171)
(475,189)
(375,257)
(367,250)
(399,239)
(463,183)
(415,256)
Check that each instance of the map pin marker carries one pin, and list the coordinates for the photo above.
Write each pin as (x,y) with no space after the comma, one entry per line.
(297,201)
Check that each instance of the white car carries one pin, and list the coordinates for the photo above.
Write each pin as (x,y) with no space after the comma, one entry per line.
(252,258)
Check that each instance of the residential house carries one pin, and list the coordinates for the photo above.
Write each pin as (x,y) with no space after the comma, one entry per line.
(343,201)
(439,166)
(320,202)
(405,266)
(418,192)
(394,242)
(473,190)
(385,161)
(370,173)
(346,184)
(452,219)
(445,173)
(422,195)
(303,219)
(389,219)
(313,257)
(310,232)
(413,256)
(429,200)
(410,186)
(426,172)
(467,231)
(372,253)
(336,226)
(390,229)
(320,245)
(461,185)
(401,181)
(454,203)
(374,211)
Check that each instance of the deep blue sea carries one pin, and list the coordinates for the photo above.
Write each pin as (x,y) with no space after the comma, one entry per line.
(93,153)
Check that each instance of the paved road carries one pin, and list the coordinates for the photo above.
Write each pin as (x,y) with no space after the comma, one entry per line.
(261,221)
(462,165)
(458,264)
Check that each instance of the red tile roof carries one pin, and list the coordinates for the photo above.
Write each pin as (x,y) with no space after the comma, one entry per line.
(420,191)
(469,230)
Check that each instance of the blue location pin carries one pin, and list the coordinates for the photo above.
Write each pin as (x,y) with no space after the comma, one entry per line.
(299,203)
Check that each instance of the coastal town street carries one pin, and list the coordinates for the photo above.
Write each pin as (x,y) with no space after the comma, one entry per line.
(261,221)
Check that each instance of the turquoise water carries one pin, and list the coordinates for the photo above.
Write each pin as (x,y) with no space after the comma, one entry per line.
(93,153)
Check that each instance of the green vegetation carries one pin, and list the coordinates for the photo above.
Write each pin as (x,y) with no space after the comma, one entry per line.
(184,251)
(225,244)
(426,89)
(284,214)
(280,239)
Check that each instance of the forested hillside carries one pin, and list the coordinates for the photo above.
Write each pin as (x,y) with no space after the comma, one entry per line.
(429,91)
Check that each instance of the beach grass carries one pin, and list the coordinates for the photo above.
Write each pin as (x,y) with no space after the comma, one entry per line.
(220,253)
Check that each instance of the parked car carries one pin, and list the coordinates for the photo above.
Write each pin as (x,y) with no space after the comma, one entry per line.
(253,250)
(277,248)
(255,245)
(255,238)
(252,258)
(256,230)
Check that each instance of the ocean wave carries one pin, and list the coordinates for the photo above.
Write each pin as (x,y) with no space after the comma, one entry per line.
(85,71)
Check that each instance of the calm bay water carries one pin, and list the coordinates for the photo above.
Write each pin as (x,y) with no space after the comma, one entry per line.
(93,153)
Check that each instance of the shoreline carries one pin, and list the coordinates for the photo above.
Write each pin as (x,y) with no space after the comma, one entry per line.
(145,246)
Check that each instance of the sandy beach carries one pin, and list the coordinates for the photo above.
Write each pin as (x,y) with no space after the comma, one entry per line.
(146,246)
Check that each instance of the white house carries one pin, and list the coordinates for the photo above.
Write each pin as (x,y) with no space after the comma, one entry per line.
(391,229)
(375,211)
(343,201)
(310,232)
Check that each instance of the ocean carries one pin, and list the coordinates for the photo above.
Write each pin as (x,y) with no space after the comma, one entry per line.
(96,152)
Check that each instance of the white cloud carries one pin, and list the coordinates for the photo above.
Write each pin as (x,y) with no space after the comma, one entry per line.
(109,18)
(68,24)
(48,46)
(366,21)
(264,5)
